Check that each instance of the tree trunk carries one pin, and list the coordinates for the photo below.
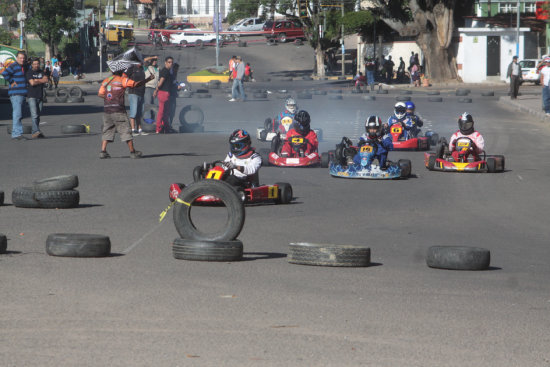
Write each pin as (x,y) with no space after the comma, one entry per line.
(436,57)
(48,52)
(320,60)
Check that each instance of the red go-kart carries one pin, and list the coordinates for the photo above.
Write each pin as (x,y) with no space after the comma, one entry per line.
(298,145)
(442,160)
(279,193)
(418,143)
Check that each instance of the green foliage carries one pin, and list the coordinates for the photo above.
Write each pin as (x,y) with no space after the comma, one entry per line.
(8,7)
(242,9)
(49,18)
(357,22)
(124,44)
(6,38)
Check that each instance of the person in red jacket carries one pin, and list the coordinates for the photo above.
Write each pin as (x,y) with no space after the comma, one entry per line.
(300,139)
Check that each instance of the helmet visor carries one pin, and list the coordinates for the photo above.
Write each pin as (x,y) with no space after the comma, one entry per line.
(291,108)
(467,125)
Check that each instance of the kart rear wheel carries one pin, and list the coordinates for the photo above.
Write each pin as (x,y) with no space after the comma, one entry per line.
(431,162)
(285,193)
(331,156)
(198,173)
(276,145)
(268,124)
(324,160)
(339,154)
(434,138)
(439,150)
(423,144)
(406,167)
(263,135)
(499,160)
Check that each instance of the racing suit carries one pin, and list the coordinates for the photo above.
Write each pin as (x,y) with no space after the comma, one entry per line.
(277,126)
(413,123)
(396,120)
(383,145)
(249,163)
(479,146)
(310,140)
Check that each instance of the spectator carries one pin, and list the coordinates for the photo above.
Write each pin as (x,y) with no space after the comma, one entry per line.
(238,90)
(360,80)
(174,95)
(231,66)
(48,73)
(115,117)
(417,61)
(412,60)
(401,69)
(162,91)
(151,85)
(545,82)
(136,98)
(370,67)
(54,60)
(56,73)
(248,73)
(14,74)
(388,69)
(514,73)
(415,75)
(35,91)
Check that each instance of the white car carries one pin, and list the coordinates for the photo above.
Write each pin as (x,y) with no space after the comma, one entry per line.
(529,70)
(193,36)
(247,25)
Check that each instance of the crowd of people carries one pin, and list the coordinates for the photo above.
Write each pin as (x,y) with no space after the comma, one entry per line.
(385,71)
(239,72)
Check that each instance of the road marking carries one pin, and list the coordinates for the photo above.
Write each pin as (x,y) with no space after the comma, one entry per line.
(141,239)
(520,178)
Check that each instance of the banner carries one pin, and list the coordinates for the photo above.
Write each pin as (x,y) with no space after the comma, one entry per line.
(7,56)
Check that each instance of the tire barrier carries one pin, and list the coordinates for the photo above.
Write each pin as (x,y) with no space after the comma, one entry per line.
(462,92)
(403,98)
(433,93)
(305,253)
(191,119)
(458,258)
(3,243)
(184,249)
(73,129)
(75,92)
(465,100)
(78,245)
(63,182)
(304,95)
(435,99)
(75,99)
(335,97)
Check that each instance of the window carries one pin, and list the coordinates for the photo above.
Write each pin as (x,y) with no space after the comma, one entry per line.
(507,7)
(530,8)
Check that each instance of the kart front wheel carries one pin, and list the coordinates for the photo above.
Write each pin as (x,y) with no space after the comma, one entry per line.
(431,162)
(285,193)
(406,167)
(324,160)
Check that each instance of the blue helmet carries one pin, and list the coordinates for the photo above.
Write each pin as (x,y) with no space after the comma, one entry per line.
(410,106)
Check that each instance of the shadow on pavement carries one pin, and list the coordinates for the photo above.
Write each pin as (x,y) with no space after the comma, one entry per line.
(74,109)
(250,256)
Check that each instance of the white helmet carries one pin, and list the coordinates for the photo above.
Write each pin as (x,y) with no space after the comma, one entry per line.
(290,105)
(400,110)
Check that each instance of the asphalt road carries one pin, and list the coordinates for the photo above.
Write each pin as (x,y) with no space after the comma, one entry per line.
(141,307)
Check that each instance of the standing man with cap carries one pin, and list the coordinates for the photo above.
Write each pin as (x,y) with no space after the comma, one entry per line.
(514,73)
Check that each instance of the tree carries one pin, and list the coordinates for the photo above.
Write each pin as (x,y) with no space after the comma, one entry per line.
(432,23)
(242,9)
(49,19)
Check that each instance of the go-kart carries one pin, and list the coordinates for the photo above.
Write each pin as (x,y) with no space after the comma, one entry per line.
(442,160)
(417,143)
(253,192)
(272,128)
(341,163)
(298,145)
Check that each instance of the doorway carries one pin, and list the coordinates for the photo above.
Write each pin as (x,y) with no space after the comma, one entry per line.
(493,55)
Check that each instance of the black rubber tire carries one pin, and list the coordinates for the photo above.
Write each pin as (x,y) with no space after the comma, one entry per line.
(431,162)
(324,160)
(434,138)
(500,162)
(197,173)
(285,193)
(335,91)
(462,92)
(433,93)
(268,124)
(439,149)
(198,121)
(406,92)
(3,243)
(75,100)
(73,129)
(1,198)
(201,91)
(382,91)
(78,245)
(59,199)
(199,44)
(148,128)
(458,258)
(435,99)
(202,95)
(369,98)
(185,94)
(281,37)
(304,95)
(75,92)
(227,194)
(272,42)
(306,77)
(276,144)
(406,167)
(60,99)
(260,95)
(49,93)
(63,182)
(263,135)
(27,129)
(491,165)
(264,153)
(23,197)
(402,98)
(320,92)
(183,249)
(488,94)
(465,100)
(328,255)
(335,97)
(214,84)
(62,92)
(243,44)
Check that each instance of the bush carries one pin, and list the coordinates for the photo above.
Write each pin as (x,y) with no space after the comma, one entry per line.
(6,37)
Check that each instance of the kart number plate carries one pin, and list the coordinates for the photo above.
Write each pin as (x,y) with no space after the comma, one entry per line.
(463,144)
(366,149)
(272,192)
(293,161)
(297,140)
(286,121)
(214,175)
(396,130)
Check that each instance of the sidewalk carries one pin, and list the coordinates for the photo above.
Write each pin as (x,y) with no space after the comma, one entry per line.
(531,104)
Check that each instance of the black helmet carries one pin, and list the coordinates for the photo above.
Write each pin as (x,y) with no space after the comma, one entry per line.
(239,142)
(301,122)
(466,123)
(373,122)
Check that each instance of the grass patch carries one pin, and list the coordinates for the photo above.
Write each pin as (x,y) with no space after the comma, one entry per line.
(36,47)
(206,72)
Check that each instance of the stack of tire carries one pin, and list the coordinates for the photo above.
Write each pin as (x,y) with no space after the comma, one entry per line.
(66,95)
(50,193)
(221,245)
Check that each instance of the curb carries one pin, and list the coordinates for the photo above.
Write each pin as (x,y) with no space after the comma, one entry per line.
(79,82)
(506,102)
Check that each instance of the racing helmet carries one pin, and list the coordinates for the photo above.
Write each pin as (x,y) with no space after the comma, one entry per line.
(410,107)
(290,105)
(466,123)
(302,121)
(240,142)
(400,110)
(373,126)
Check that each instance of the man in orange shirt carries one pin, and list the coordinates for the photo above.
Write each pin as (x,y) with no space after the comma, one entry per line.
(115,117)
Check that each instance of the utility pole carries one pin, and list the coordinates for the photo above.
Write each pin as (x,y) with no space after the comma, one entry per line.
(100,36)
(21,18)
(517,31)
(343,47)
(217,25)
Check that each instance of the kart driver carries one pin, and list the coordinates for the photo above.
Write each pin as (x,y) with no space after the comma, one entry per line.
(243,162)
(413,123)
(466,129)
(399,115)
(375,137)
(290,110)
(300,130)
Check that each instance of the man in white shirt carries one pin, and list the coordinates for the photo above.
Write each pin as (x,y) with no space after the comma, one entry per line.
(545,82)
(514,73)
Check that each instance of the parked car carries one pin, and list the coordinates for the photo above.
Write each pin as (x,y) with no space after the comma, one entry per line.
(283,30)
(171,29)
(247,25)
(117,30)
(529,70)
(193,36)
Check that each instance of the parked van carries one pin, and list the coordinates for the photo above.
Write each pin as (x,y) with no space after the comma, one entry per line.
(115,28)
(247,24)
(529,71)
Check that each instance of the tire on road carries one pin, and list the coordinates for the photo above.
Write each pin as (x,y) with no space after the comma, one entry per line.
(227,194)
(335,97)
(402,98)
(202,95)
(243,44)
(305,253)
(488,94)
(62,92)
(63,182)
(435,99)
(285,193)
(260,95)
(3,243)
(406,167)
(75,99)
(57,199)
(304,95)
(78,245)
(318,92)
(324,160)
(382,91)
(369,98)
(61,99)
(431,162)
(433,93)
(465,100)
(458,258)
(73,129)
(75,92)
(184,249)
(1,198)
(462,92)
(406,92)
(23,197)
(186,122)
